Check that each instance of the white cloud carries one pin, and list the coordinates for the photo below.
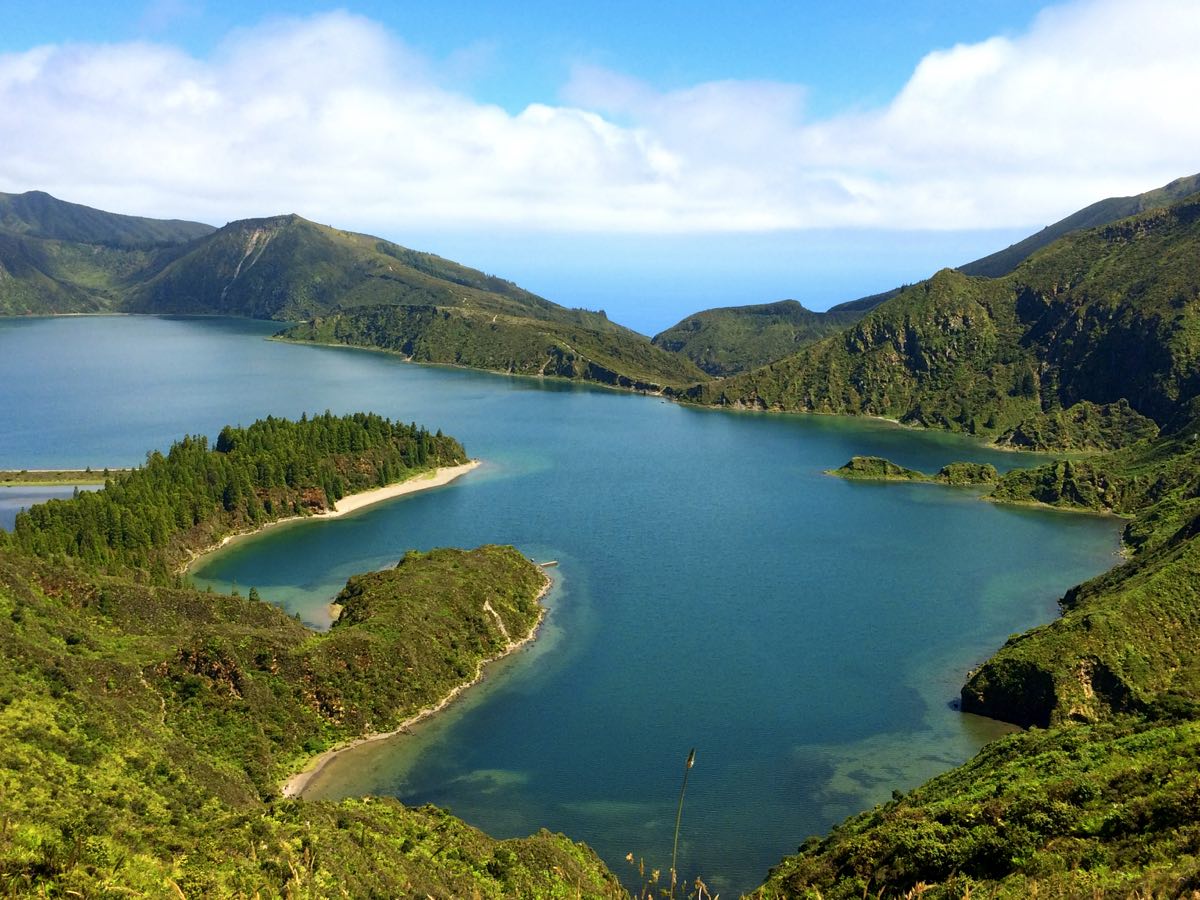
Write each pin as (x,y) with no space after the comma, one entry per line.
(337,119)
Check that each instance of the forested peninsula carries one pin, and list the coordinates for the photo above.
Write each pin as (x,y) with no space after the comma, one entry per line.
(148,726)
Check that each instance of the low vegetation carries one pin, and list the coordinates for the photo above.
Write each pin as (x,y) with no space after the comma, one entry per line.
(737,339)
(504,343)
(50,477)
(146,729)
(1103,810)
(875,468)
(147,726)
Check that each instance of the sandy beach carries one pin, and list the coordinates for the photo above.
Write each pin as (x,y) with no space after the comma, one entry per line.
(296,785)
(423,482)
(352,503)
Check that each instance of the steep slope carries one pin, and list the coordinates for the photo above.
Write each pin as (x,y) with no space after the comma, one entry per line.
(1126,640)
(1102,213)
(37,214)
(359,290)
(1108,810)
(866,304)
(1002,262)
(146,728)
(1103,802)
(736,339)
(58,257)
(289,268)
(1093,342)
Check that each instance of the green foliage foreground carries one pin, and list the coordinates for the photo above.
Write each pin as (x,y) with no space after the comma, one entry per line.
(146,728)
(1108,810)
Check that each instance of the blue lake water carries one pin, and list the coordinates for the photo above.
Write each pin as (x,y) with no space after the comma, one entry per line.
(715,590)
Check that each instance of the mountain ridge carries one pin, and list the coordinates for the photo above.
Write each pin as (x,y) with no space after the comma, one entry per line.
(1034,359)
(722,344)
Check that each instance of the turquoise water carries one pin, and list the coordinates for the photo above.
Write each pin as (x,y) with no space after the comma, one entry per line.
(715,590)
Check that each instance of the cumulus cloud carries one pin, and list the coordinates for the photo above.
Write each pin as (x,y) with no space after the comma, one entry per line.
(336,118)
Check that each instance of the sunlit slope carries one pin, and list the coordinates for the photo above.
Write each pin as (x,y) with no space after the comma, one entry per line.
(736,339)
(1093,342)
(59,257)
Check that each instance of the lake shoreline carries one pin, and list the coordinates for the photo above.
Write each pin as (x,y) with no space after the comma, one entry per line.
(422,481)
(296,784)
(403,357)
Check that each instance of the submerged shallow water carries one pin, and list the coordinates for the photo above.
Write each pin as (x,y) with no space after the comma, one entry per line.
(715,590)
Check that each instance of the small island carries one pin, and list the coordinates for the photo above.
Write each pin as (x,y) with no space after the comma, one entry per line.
(876,468)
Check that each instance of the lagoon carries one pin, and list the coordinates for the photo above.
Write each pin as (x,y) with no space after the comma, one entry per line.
(715,589)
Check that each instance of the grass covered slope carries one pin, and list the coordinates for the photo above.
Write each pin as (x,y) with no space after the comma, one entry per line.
(1101,213)
(1126,640)
(1107,810)
(350,288)
(737,339)
(1105,801)
(156,517)
(288,268)
(37,214)
(499,342)
(1091,343)
(147,726)
(58,257)
(146,729)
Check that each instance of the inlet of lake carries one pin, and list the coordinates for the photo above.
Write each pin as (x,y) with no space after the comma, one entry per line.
(806,635)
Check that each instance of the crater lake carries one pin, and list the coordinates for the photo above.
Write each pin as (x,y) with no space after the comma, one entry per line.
(715,589)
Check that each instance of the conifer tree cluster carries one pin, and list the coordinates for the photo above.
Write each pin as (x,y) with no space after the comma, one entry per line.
(150,517)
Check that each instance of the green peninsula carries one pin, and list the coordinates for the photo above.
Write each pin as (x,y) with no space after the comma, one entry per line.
(876,468)
(147,726)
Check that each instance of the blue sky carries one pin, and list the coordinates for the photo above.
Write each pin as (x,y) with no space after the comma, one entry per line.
(853,54)
(650,159)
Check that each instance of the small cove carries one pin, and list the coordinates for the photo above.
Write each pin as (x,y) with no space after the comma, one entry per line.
(715,589)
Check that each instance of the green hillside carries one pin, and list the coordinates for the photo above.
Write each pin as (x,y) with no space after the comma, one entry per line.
(1104,801)
(501,342)
(289,268)
(1100,797)
(146,730)
(1104,212)
(147,726)
(58,257)
(740,338)
(1109,810)
(1004,261)
(1091,343)
(350,288)
(36,214)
